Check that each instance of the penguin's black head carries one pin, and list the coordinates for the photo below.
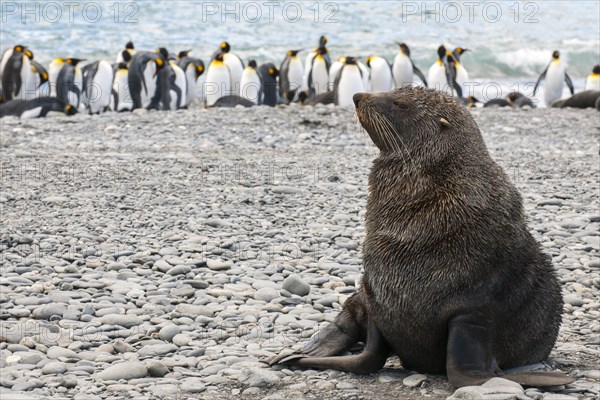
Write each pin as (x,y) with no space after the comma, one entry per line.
(225,47)
(273,71)
(129,45)
(441,52)
(184,53)
(556,54)
(164,53)
(74,61)
(351,60)
(160,63)
(322,41)
(289,96)
(449,58)
(70,110)
(460,50)
(126,55)
(293,53)
(19,48)
(322,51)
(219,57)
(252,64)
(199,68)
(302,96)
(404,49)
(596,69)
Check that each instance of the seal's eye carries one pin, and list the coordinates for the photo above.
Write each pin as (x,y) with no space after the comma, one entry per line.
(401,106)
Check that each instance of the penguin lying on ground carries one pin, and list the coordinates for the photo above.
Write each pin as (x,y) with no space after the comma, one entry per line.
(35,108)
(512,100)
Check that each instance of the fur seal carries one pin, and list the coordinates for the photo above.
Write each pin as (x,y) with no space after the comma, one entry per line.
(453,281)
(585,99)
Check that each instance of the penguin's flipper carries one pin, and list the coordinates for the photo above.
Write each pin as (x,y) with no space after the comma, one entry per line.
(542,76)
(418,72)
(569,83)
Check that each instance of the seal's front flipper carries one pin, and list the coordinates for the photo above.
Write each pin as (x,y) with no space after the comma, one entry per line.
(540,378)
(470,361)
(370,360)
(347,330)
(469,358)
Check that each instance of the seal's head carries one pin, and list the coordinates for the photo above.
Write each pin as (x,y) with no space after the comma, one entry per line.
(425,124)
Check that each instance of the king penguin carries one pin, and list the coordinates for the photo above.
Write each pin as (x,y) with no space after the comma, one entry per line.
(69,83)
(462,76)
(120,96)
(35,108)
(268,73)
(380,77)
(218,81)
(142,77)
(403,68)
(193,69)
(251,87)
(234,63)
(316,71)
(556,75)
(348,82)
(593,80)
(438,73)
(291,74)
(53,71)
(97,86)
(16,74)
(39,79)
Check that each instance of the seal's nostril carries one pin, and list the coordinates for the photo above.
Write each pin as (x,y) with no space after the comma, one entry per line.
(358,97)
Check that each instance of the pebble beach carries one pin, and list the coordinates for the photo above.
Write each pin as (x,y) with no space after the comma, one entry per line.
(170,255)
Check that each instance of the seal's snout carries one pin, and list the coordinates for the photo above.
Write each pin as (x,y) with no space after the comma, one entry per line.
(358,97)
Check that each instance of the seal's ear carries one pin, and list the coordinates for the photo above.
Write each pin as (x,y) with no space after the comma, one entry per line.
(444,121)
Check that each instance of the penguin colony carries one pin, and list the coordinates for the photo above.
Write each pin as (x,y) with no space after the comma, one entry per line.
(166,81)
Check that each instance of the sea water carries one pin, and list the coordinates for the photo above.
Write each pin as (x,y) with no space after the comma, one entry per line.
(511,42)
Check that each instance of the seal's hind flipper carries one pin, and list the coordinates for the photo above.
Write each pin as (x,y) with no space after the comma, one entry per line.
(347,330)
(469,358)
(540,378)
(370,360)
(329,341)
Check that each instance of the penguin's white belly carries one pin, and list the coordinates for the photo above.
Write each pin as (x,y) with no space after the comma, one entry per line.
(236,69)
(150,80)
(250,86)
(33,113)
(121,87)
(320,77)
(553,87)
(181,83)
(592,83)
(462,77)
(402,71)
(295,74)
(381,76)
(437,77)
(218,83)
(43,90)
(190,78)
(334,70)
(100,94)
(365,76)
(349,84)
